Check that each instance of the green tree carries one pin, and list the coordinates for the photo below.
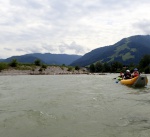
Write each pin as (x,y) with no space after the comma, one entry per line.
(147,69)
(98,67)
(37,62)
(144,64)
(14,63)
(145,61)
(106,67)
(92,68)
(116,66)
(77,68)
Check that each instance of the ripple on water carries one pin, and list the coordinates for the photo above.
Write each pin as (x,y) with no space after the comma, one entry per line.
(139,91)
(65,106)
(141,123)
(39,117)
(30,118)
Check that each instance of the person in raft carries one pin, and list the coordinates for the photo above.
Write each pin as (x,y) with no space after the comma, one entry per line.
(135,73)
(127,75)
(121,75)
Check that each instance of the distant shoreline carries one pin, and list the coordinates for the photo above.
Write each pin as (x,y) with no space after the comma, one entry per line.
(50,70)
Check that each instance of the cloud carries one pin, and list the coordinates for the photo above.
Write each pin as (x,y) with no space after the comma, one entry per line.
(7,49)
(73,48)
(143,26)
(70,26)
(64,48)
(30,49)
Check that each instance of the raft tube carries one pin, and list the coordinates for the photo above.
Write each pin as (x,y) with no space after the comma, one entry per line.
(139,81)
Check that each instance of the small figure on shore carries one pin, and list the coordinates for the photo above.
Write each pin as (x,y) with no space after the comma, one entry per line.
(127,75)
(135,73)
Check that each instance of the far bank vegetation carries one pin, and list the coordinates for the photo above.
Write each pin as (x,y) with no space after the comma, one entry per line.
(117,67)
(39,68)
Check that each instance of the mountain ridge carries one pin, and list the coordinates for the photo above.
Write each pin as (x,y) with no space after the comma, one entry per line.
(127,50)
(46,58)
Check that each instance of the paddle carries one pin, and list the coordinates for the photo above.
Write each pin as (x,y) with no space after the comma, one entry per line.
(117,77)
(117,81)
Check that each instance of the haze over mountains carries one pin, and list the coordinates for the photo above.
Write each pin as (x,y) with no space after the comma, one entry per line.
(128,50)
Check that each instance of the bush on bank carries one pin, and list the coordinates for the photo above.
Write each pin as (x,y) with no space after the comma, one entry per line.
(3,66)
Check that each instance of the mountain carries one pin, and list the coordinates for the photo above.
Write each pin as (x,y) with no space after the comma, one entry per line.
(57,59)
(1,60)
(128,50)
(47,58)
(22,59)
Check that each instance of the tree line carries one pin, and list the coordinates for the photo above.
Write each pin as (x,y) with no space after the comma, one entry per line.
(25,66)
(98,67)
(115,67)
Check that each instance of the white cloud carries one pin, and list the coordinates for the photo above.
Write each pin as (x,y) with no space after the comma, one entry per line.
(143,26)
(72,48)
(69,26)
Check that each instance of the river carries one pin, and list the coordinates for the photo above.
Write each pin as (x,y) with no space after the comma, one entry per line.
(72,106)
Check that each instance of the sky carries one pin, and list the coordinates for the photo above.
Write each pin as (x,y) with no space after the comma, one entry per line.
(69,26)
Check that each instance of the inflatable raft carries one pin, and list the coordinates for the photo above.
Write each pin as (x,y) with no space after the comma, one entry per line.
(139,81)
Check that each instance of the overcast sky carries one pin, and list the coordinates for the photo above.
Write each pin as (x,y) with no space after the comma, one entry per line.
(69,26)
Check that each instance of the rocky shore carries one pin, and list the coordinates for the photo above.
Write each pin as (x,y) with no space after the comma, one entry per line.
(50,70)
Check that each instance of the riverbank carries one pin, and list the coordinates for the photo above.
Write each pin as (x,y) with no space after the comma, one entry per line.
(50,70)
